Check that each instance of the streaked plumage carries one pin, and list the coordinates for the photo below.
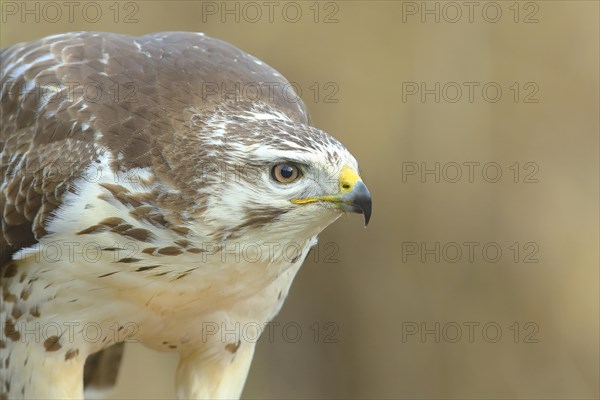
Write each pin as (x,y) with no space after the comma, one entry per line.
(151,211)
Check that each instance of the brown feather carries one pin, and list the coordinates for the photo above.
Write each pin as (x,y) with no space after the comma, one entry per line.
(160,77)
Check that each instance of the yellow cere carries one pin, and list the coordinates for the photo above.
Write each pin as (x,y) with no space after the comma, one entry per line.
(348,178)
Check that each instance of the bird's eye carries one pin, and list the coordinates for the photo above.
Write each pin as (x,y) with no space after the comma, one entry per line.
(285,173)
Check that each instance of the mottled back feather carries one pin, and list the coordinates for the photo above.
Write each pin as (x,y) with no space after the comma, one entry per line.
(66,97)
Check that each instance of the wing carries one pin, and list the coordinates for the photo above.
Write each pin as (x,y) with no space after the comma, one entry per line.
(66,98)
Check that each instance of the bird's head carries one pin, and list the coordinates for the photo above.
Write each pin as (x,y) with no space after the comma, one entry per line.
(270,175)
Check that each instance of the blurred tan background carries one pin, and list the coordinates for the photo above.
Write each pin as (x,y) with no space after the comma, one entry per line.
(372,292)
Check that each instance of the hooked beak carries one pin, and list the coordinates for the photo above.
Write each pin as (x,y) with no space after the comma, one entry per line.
(358,200)
(354,197)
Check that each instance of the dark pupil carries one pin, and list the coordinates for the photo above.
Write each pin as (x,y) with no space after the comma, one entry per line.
(287,171)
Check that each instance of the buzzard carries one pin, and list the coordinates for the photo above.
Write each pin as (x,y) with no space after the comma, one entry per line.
(163,188)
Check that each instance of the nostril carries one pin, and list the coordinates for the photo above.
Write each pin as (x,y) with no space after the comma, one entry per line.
(346,186)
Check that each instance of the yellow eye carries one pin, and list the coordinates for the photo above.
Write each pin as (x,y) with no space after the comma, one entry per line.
(285,173)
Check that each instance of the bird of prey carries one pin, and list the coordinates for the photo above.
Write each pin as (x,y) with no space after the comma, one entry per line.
(164,188)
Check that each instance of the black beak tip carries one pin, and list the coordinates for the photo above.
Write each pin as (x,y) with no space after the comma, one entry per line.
(362,202)
(359,201)
(365,208)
